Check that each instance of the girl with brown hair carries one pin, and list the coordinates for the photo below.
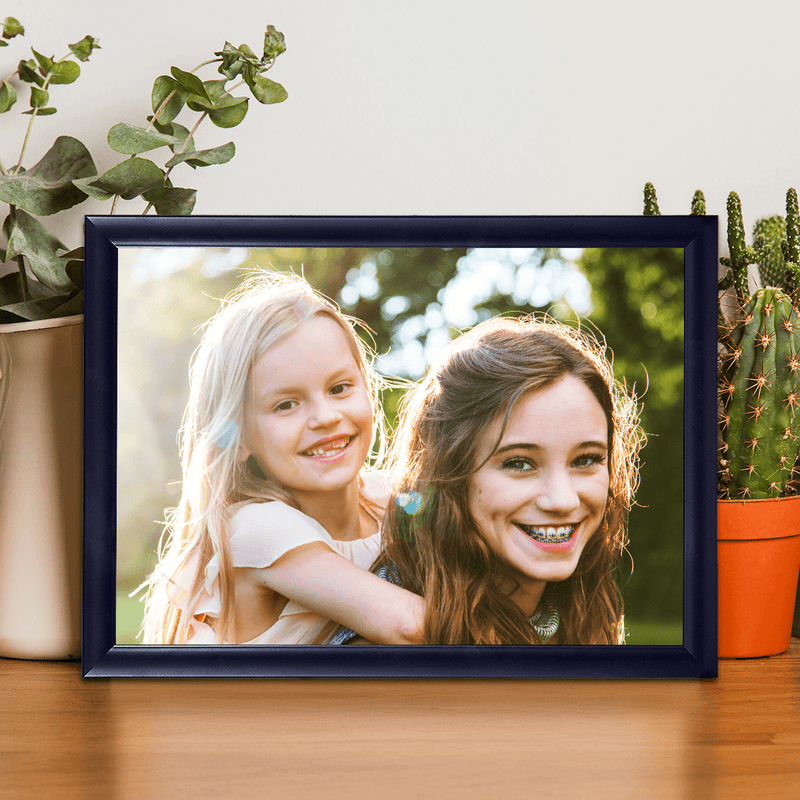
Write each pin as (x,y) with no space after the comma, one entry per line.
(516,464)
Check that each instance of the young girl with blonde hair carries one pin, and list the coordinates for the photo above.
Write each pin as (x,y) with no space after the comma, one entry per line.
(279,521)
(516,464)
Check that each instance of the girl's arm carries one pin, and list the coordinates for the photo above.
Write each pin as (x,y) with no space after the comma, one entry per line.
(327,583)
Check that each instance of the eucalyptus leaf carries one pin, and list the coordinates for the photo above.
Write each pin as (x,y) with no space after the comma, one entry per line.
(45,63)
(130,178)
(172,200)
(31,239)
(131,140)
(48,186)
(190,82)
(83,49)
(74,305)
(8,96)
(65,72)
(205,158)
(87,188)
(41,112)
(274,43)
(215,89)
(233,60)
(223,101)
(3,44)
(229,116)
(39,97)
(27,72)
(267,91)
(44,308)
(163,87)
(12,28)
(74,270)
(11,289)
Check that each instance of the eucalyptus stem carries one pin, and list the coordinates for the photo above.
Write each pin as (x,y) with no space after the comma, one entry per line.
(23,278)
(35,111)
(152,123)
(206,63)
(180,152)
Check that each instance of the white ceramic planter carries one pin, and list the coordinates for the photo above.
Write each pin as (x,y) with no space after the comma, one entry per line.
(41,443)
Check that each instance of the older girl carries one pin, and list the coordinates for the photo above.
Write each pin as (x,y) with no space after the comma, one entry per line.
(516,462)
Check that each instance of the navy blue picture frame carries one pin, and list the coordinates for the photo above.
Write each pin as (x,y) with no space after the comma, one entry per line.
(696,657)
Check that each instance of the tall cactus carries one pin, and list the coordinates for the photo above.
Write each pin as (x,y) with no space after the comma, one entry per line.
(758,356)
(650,201)
(772,267)
(760,391)
(791,246)
(741,254)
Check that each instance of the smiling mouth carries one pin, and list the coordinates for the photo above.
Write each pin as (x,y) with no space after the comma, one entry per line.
(328,449)
(548,534)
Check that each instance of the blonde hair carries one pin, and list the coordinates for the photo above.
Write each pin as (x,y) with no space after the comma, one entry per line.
(261,311)
(438,550)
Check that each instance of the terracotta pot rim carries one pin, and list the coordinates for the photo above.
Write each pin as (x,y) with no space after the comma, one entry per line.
(36,324)
(754,500)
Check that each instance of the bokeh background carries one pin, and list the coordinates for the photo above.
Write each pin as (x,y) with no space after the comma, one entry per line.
(414,301)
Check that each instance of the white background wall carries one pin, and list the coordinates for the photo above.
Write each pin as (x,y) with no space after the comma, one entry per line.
(450,106)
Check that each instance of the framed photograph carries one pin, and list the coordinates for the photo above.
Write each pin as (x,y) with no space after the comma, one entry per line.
(541,511)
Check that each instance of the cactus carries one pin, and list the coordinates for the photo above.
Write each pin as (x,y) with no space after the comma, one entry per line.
(760,394)
(791,246)
(772,268)
(650,201)
(758,356)
(741,255)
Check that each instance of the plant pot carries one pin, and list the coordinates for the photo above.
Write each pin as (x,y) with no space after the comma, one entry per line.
(758,546)
(41,445)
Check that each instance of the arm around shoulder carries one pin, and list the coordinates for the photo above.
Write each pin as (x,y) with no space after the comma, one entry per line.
(322,580)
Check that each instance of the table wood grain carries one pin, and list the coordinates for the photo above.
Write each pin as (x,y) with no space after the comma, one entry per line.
(738,736)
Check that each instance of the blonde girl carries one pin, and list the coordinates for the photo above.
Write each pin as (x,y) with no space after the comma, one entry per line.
(279,520)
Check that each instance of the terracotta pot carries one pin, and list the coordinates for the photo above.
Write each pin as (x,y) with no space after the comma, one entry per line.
(41,445)
(758,546)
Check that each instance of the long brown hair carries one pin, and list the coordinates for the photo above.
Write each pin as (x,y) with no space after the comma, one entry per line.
(429,533)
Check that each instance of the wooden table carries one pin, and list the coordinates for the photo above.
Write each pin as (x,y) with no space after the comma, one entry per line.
(734,737)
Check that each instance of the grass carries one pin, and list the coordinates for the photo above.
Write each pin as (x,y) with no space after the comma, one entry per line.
(129,618)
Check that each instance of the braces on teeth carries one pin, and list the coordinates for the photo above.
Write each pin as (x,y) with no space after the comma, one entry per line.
(550,535)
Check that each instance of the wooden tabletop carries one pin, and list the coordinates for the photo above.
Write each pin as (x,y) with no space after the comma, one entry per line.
(734,737)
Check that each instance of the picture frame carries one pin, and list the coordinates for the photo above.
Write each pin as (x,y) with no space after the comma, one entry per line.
(695,657)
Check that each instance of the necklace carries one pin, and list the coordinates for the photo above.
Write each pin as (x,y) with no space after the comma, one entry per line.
(545,622)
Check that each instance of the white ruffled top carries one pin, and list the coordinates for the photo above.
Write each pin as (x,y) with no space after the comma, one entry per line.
(260,533)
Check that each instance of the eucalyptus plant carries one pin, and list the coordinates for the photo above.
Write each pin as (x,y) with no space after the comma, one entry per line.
(47,279)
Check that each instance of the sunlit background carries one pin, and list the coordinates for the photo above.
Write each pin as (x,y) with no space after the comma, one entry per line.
(414,301)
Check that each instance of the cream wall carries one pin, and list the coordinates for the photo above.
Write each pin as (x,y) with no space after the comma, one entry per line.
(452,107)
